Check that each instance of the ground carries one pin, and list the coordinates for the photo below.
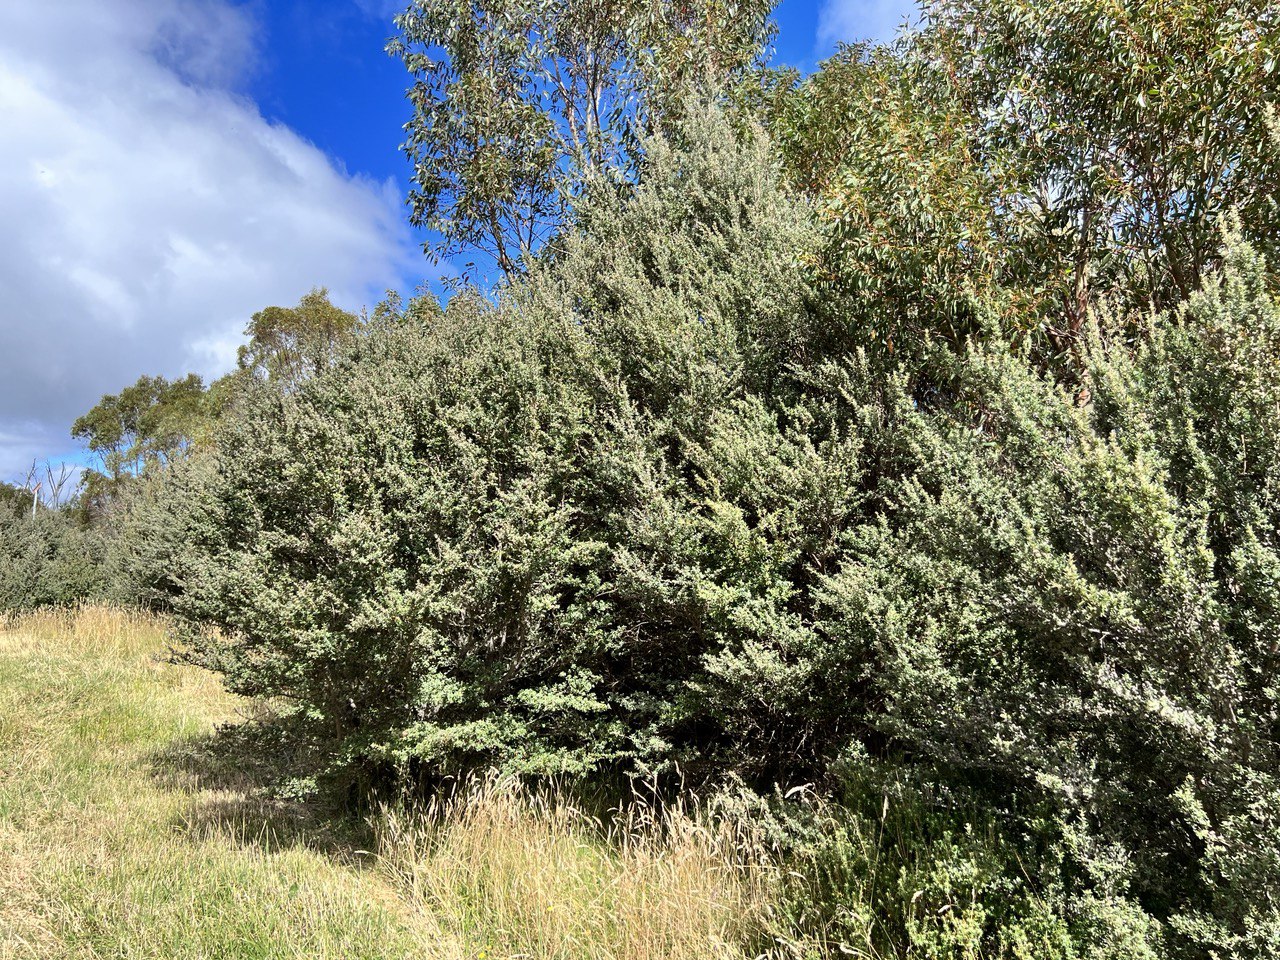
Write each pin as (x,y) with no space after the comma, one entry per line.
(125,833)
(110,845)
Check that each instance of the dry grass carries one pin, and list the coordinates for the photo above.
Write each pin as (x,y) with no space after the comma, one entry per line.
(517,873)
(89,631)
(105,853)
(98,854)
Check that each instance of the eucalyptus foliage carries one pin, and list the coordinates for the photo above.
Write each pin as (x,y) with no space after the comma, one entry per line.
(1120,135)
(518,104)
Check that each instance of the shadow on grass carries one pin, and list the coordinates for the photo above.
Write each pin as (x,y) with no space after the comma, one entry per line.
(242,780)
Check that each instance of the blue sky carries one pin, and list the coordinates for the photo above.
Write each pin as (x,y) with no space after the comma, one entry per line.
(170,166)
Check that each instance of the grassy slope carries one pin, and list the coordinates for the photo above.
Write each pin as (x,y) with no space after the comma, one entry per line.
(111,846)
(105,853)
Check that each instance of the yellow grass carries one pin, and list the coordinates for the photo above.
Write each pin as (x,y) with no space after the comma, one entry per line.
(105,853)
(522,874)
(110,848)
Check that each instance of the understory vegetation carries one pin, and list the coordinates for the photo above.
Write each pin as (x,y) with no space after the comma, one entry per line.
(851,526)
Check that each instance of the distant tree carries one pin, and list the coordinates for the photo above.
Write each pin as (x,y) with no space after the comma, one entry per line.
(144,424)
(13,498)
(289,344)
(147,424)
(518,103)
(47,485)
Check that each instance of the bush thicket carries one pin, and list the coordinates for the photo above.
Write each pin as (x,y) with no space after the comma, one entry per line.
(921,454)
(650,513)
(48,557)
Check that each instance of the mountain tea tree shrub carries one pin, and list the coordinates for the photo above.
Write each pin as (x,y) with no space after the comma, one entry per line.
(649,513)
(445,549)
(1069,609)
(49,557)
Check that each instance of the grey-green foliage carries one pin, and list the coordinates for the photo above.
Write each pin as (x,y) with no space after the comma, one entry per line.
(894,865)
(49,557)
(1069,604)
(646,513)
(446,548)
(150,523)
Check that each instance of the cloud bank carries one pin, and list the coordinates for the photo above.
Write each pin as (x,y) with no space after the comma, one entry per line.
(147,208)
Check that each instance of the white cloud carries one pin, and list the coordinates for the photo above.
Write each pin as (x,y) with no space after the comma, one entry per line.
(28,444)
(852,20)
(147,209)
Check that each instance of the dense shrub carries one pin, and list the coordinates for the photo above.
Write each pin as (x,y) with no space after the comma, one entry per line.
(650,512)
(48,558)
(447,549)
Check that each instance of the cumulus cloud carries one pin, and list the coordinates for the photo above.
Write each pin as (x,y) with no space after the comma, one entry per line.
(849,21)
(147,208)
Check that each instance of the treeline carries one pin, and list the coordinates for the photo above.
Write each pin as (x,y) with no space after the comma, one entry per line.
(62,543)
(908,433)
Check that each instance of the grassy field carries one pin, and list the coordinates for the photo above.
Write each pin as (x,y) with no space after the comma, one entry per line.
(113,843)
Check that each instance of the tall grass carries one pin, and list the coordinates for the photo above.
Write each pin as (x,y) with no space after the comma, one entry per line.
(90,630)
(105,851)
(527,873)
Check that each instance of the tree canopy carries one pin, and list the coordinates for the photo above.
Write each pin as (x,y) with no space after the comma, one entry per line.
(146,423)
(519,104)
(289,344)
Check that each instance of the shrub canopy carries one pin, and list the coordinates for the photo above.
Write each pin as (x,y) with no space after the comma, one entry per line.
(649,513)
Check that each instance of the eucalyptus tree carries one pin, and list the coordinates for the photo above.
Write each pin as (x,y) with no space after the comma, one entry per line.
(1122,132)
(518,104)
(887,153)
(146,423)
(150,422)
(289,344)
